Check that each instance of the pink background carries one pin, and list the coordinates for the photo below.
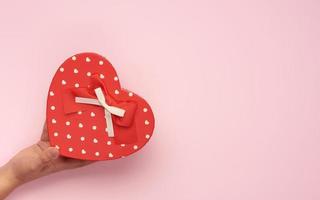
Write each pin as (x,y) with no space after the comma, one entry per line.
(234,86)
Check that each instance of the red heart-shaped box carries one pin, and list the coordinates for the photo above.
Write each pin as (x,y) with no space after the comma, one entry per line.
(80,130)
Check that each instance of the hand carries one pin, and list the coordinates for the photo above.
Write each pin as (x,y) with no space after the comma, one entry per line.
(33,162)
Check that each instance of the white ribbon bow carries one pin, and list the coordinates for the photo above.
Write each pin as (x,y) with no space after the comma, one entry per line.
(108,110)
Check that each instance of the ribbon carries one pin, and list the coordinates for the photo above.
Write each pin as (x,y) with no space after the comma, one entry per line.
(108,110)
(119,114)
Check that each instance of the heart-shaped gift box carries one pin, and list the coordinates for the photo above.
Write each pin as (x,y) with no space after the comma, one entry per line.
(89,115)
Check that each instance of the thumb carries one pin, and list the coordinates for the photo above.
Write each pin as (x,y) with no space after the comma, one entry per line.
(49,154)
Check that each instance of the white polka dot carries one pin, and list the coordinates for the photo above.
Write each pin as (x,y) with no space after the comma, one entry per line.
(110,155)
(76,85)
(74,58)
(122,145)
(82,138)
(94,127)
(130,94)
(109,143)
(57,147)
(88,59)
(68,136)
(70,149)
(75,70)
(68,123)
(101,76)
(88,73)
(115,78)
(80,125)
(122,156)
(116,92)
(53,121)
(61,69)
(147,136)
(146,122)
(55,134)
(92,114)
(52,107)
(51,93)
(80,112)
(145,109)
(100,62)
(83,151)
(63,82)
(135,147)
(97,154)
(95,140)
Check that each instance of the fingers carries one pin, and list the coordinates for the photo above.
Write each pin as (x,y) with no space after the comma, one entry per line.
(49,154)
(44,135)
(43,145)
(74,163)
(69,163)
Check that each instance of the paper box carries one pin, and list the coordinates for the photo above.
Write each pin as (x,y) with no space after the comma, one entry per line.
(89,115)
